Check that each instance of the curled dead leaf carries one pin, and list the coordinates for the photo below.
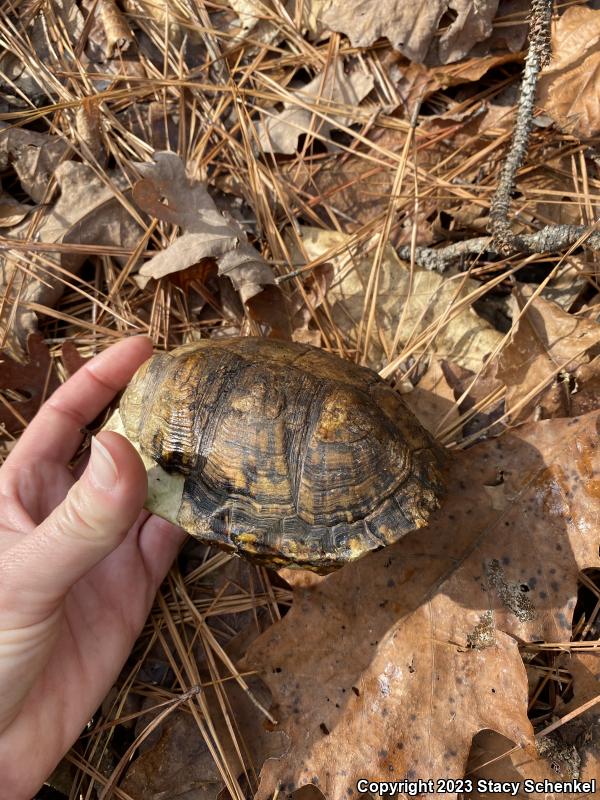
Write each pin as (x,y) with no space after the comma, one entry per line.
(117,32)
(334,88)
(207,233)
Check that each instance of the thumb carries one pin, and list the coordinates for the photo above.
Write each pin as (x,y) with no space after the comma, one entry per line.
(92,520)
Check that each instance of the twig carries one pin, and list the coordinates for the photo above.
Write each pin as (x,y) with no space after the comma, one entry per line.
(503,241)
(538,55)
(547,240)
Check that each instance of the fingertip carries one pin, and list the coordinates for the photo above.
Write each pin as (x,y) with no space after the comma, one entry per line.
(128,353)
(159,543)
(140,345)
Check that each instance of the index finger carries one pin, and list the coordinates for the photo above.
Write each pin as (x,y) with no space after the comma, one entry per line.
(55,432)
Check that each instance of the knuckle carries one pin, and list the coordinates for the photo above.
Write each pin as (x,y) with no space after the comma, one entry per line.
(11,569)
(57,404)
(8,592)
(78,519)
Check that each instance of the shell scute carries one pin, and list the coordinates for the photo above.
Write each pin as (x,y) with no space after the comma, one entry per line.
(290,455)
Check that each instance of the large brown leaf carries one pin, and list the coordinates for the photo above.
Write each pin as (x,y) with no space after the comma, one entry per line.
(411,27)
(390,666)
(568,89)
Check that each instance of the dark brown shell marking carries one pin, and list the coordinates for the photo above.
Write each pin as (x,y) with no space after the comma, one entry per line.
(290,455)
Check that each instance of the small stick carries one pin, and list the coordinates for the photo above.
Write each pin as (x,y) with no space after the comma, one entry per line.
(538,56)
(549,239)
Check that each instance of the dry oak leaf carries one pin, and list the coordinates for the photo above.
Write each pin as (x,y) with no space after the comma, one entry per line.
(546,342)
(411,27)
(334,92)
(411,651)
(87,211)
(422,301)
(24,387)
(207,233)
(568,89)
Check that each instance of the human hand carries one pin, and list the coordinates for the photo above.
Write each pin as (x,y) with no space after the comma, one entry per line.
(80,563)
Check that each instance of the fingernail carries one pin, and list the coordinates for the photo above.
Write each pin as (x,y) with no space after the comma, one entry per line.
(102,466)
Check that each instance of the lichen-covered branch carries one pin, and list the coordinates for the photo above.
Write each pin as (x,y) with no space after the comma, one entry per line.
(550,239)
(538,56)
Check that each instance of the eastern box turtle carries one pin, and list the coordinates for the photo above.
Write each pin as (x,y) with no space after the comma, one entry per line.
(278,451)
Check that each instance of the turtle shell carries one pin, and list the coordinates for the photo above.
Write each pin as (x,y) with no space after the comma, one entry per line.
(289,455)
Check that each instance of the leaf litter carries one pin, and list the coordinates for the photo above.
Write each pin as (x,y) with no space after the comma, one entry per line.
(288,156)
(280,133)
(86,212)
(567,88)
(410,304)
(206,233)
(547,347)
(411,27)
